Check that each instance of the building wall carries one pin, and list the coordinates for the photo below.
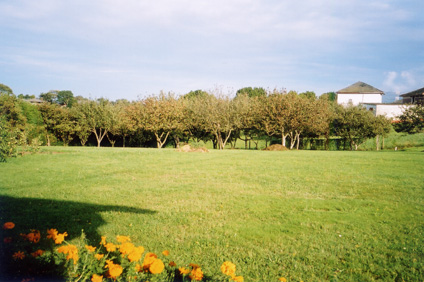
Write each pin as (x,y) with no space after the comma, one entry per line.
(357,99)
(390,111)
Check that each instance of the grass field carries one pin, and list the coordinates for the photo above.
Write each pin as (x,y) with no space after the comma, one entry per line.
(302,215)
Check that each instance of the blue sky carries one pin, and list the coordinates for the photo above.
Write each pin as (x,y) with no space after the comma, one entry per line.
(134,48)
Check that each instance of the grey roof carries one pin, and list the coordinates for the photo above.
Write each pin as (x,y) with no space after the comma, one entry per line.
(360,88)
(418,92)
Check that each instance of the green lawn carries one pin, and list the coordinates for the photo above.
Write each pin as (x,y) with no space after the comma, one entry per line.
(302,215)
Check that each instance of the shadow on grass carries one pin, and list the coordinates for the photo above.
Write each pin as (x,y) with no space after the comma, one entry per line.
(43,214)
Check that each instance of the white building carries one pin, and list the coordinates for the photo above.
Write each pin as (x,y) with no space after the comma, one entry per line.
(370,97)
(359,93)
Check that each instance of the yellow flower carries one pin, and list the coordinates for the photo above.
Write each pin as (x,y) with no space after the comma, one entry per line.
(8,225)
(237,278)
(37,253)
(114,270)
(52,233)
(97,278)
(123,239)
(136,254)
(228,268)
(196,274)
(60,238)
(156,267)
(149,258)
(103,242)
(71,251)
(184,271)
(282,279)
(99,256)
(165,253)
(110,247)
(18,255)
(90,248)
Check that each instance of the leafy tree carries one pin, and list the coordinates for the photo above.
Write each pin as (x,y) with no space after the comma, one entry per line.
(66,98)
(354,124)
(58,122)
(162,116)
(4,89)
(308,94)
(50,97)
(196,94)
(252,92)
(330,96)
(411,120)
(381,126)
(216,116)
(96,115)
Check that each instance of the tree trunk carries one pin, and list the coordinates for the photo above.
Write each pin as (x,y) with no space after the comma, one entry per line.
(159,141)
(48,139)
(99,136)
(382,143)
(377,141)
(298,140)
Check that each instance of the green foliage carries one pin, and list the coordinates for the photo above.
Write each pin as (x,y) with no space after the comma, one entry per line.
(4,89)
(411,120)
(8,140)
(252,92)
(66,98)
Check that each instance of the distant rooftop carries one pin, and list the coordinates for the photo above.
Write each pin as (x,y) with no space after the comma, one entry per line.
(418,92)
(360,88)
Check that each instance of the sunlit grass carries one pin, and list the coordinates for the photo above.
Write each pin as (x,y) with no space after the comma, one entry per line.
(303,215)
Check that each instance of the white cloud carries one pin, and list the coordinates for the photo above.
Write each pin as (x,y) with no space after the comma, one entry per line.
(400,82)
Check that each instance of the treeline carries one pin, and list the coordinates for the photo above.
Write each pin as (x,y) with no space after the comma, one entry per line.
(253,114)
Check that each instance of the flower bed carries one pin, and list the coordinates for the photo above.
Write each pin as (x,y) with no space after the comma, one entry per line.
(34,256)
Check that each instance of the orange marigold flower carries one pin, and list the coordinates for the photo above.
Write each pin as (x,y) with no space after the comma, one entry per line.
(196,274)
(37,253)
(60,238)
(103,241)
(237,278)
(282,279)
(149,258)
(165,253)
(52,233)
(136,254)
(71,251)
(156,267)
(97,278)
(123,239)
(90,248)
(228,268)
(114,270)
(34,236)
(126,248)
(8,240)
(8,225)
(99,256)
(110,247)
(184,270)
(18,255)
(172,264)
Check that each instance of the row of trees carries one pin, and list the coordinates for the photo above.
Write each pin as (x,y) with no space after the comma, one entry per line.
(253,114)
